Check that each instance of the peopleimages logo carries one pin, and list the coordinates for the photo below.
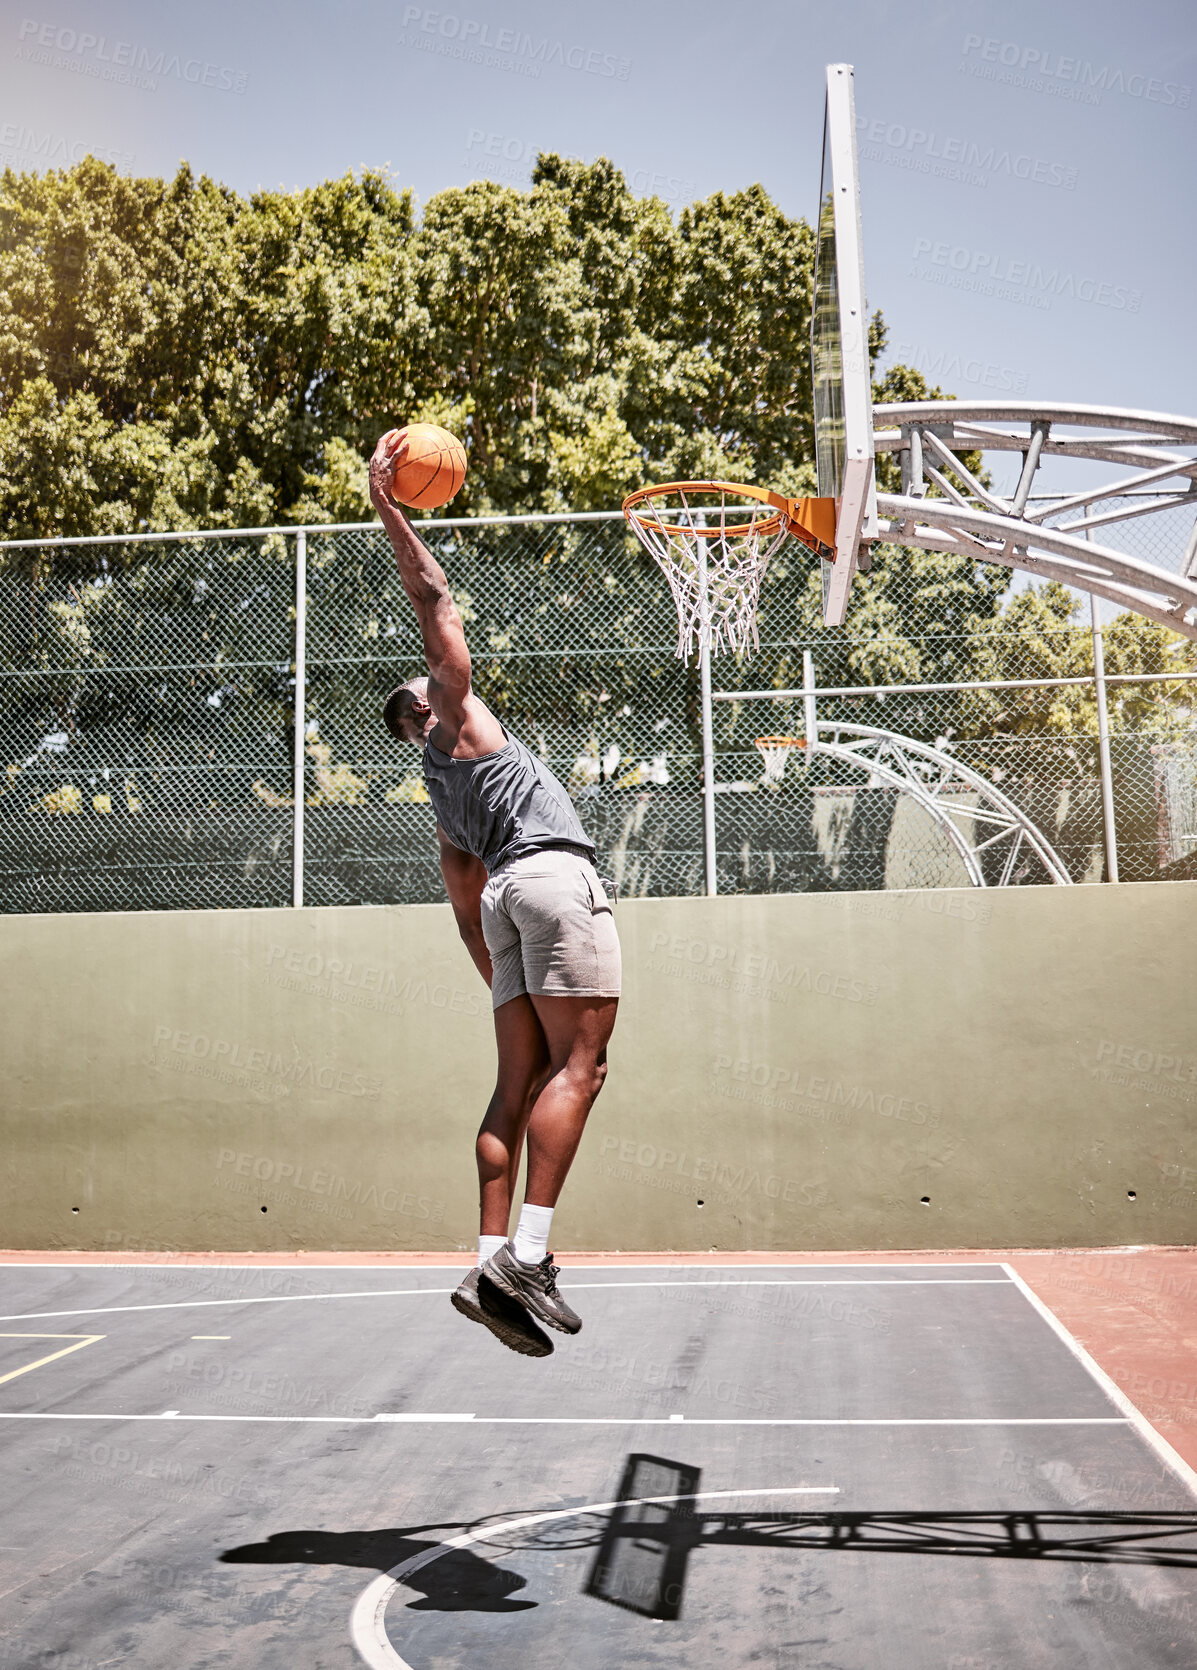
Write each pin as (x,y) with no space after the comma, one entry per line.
(794,1081)
(475,42)
(1053,72)
(515,157)
(729,966)
(938,365)
(362,985)
(989,273)
(1182,1068)
(83,53)
(234,1062)
(54,150)
(297,1179)
(928,152)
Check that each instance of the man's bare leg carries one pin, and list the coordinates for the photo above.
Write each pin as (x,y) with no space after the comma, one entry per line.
(577,1031)
(524,1066)
(523,1069)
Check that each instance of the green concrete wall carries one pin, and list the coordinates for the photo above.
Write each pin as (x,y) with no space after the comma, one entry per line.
(869,1070)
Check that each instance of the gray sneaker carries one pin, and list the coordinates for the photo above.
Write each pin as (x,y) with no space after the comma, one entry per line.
(506,1320)
(534,1286)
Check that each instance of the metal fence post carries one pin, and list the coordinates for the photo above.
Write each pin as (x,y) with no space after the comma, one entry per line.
(301,673)
(709,849)
(1103,744)
(810,711)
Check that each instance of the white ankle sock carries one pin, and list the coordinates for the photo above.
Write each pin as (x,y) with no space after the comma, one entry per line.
(488,1245)
(532,1234)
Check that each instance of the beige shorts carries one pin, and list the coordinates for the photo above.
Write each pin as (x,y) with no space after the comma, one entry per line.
(550,929)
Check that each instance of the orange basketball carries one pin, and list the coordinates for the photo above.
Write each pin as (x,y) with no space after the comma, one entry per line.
(432,470)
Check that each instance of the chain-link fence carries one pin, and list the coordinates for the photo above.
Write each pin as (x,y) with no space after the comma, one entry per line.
(148,718)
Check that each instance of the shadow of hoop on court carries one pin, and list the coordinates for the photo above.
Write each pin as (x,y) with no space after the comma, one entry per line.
(645,1541)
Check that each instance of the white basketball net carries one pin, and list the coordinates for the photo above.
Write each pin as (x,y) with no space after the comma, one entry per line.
(776,751)
(714,574)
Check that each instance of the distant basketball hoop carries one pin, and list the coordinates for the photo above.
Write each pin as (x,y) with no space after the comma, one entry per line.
(776,751)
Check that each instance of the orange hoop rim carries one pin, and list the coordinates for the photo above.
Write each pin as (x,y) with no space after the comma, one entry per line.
(810,521)
(779,742)
(762,526)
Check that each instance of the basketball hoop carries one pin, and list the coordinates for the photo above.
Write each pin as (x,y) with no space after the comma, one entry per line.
(714,551)
(775,751)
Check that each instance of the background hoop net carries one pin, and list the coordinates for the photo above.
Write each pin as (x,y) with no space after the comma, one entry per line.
(713,553)
(776,751)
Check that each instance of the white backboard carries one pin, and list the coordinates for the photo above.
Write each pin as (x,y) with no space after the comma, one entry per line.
(843,399)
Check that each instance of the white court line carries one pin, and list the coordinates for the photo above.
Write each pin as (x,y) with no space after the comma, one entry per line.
(802,1281)
(1175,1463)
(573,1287)
(804,1420)
(582,1420)
(390,1269)
(367,1621)
(265,1299)
(409,1415)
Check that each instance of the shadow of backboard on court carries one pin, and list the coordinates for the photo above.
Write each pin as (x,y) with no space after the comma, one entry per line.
(641,1560)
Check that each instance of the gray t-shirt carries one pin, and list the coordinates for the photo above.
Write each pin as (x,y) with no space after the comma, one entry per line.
(502,805)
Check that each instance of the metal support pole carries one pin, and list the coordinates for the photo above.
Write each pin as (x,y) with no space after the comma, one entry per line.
(710,852)
(811,718)
(918,481)
(1188,563)
(1030,463)
(709,849)
(1103,745)
(301,675)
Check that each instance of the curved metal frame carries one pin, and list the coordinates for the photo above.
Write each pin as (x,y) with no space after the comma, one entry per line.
(930,437)
(924,773)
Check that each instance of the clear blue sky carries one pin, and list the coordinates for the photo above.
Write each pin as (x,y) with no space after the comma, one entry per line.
(1047,145)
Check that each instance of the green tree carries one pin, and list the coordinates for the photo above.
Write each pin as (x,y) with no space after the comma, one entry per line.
(227,342)
(174,355)
(246,350)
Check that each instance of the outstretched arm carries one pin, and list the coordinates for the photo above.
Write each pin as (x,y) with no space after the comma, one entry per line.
(465,877)
(425,584)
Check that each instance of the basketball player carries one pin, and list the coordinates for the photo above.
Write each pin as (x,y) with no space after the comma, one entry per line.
(519,872)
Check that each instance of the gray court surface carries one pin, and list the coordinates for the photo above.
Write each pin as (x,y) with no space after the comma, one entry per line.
(819,1466)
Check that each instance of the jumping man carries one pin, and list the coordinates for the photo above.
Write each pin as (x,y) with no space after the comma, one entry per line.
(519,872)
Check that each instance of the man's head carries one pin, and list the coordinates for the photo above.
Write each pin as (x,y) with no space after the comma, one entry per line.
(406,713)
